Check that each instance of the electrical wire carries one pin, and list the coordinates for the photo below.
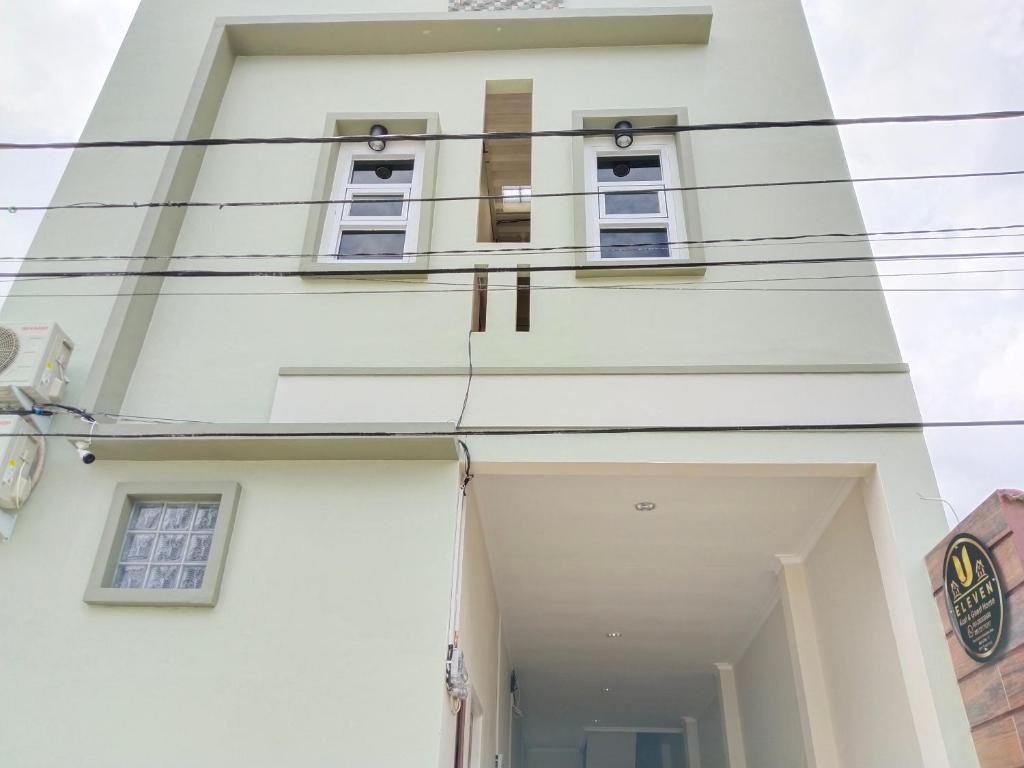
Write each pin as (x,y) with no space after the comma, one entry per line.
(89,205)
(420,271)
(469,379)
(567,431)
(808,238)
(465,288)
(823,122)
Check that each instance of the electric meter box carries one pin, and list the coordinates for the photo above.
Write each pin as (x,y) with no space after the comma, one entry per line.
(19,446)
(33,357)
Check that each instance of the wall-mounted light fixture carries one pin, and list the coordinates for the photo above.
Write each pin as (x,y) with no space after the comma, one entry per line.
(623,134)
(377,145)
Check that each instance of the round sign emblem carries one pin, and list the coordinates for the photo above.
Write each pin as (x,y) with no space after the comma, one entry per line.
(974,597)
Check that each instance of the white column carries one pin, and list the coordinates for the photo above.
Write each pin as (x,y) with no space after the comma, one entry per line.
(692,742)
(808,672)
(731,724)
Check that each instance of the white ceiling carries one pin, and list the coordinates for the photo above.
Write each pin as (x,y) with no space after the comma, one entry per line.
(687,585)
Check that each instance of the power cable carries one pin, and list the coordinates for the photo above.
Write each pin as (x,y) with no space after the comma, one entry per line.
(90,205)
(465,288)
(609,267)
(541,431)
(993,230)
(500,135)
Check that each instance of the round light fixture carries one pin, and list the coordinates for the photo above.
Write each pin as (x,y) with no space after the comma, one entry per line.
(377,145)
(645,506)
(621,170)
(613,635)
(383,172)
(607,690)
(623,134)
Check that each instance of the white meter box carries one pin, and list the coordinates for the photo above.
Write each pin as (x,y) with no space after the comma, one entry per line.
(33,357)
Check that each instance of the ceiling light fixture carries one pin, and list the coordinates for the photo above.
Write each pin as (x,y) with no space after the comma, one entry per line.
(613,635)
(607,690)
(645,506)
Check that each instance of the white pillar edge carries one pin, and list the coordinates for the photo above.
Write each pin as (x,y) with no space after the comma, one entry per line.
(692,742)
(820,747)
(731,722)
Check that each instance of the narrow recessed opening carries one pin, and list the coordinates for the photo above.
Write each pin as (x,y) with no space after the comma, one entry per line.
(478,321)
(505,172)
(522,300)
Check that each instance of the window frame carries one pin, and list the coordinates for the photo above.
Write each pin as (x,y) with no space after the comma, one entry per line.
(338,217)
(99,590)
(669,216)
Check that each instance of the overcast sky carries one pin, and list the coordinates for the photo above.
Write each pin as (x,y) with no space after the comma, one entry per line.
(966,350)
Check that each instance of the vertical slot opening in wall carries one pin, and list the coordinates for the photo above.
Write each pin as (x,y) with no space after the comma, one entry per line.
(478,322)
(522,299)
(505,166)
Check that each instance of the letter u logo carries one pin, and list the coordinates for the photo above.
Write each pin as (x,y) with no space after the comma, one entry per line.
(964,570)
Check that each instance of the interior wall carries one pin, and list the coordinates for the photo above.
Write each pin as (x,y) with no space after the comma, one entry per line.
(613,749)
(769,711)
(711,737)
(479,639)
(870,710)
(552,758)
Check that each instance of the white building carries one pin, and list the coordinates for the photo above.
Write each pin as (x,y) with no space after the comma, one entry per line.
(674,598)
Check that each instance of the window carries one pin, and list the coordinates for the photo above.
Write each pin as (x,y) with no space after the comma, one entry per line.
(505,164)
(634,215)
(164,545)
(377,221)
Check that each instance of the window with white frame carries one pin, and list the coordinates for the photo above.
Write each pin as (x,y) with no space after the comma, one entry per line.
(377,219)
(637,211)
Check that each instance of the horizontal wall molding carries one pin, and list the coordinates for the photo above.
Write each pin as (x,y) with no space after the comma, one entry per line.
(582,370)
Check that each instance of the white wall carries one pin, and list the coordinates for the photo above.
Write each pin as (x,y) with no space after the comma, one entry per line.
(767,694)
(871,714)
(331,620)
(552,758)
(711,737)
(613,749)
(479,639)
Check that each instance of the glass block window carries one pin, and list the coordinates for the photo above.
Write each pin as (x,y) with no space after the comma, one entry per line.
(166,545)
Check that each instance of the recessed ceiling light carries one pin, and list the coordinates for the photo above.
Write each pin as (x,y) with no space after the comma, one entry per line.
(596,722)
(614,634)
(426,32)
(607,690)
(645,506)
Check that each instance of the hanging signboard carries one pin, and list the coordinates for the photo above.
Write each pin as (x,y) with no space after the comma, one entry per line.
(975,598)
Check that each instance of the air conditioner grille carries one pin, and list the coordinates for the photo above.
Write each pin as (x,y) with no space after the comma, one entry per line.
(8,348)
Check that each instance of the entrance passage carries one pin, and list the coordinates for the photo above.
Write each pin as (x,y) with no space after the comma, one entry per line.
(633,616)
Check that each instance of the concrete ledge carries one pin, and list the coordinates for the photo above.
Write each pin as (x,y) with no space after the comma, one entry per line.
(353,34)
(269,442)
(625,370)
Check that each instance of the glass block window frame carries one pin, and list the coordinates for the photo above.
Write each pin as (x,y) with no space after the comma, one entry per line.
(164,544)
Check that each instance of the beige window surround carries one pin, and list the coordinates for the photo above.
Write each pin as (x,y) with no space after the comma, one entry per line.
(358,124)
(100,590)
(689,214)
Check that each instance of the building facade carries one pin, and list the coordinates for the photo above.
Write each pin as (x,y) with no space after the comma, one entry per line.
(310,486)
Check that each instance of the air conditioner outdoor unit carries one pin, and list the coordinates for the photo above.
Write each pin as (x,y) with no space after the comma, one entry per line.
(33,357)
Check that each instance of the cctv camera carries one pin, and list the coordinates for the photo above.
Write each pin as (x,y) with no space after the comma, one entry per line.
(87,456)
